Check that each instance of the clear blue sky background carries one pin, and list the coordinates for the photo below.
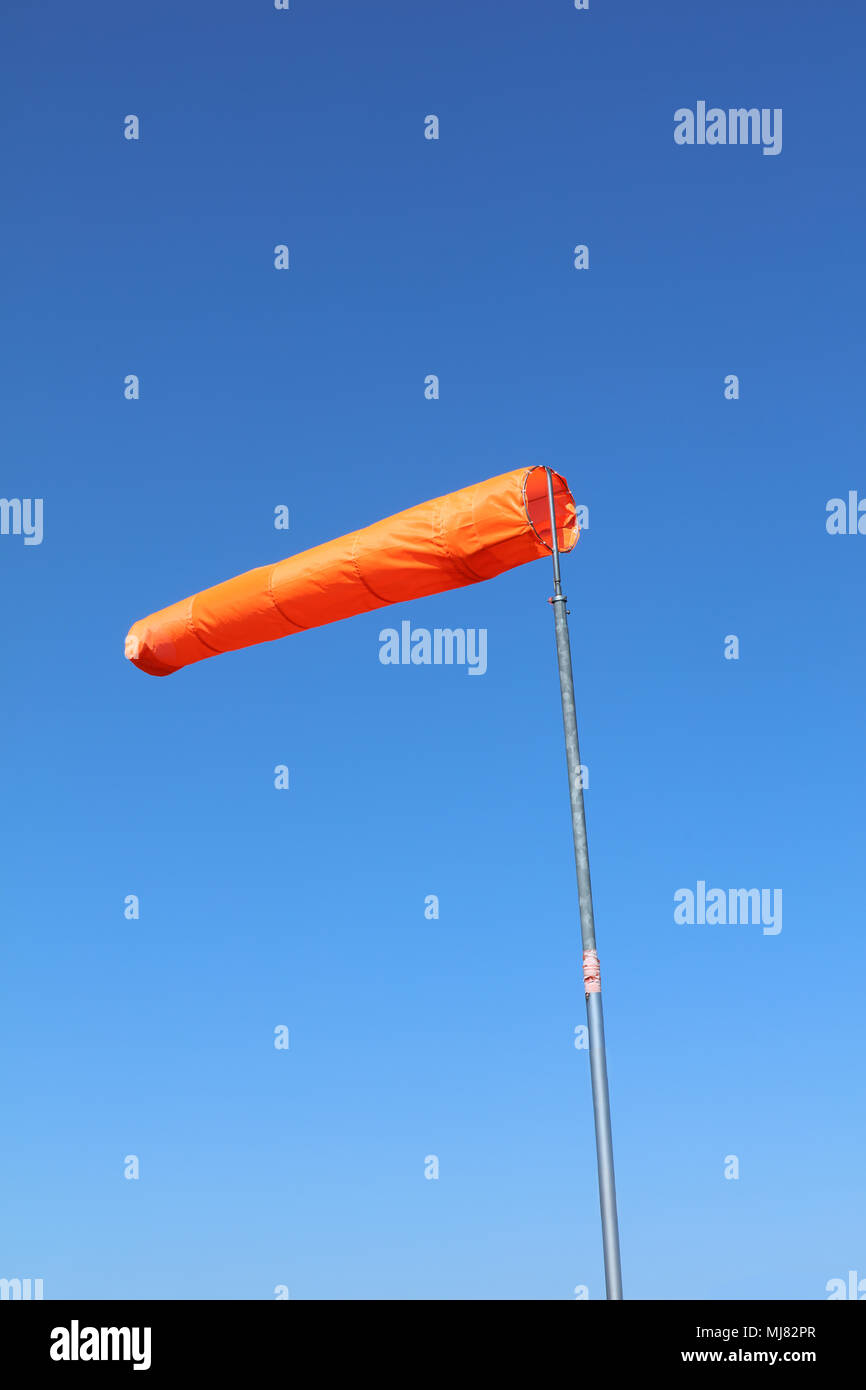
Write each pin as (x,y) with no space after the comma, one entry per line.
(306,908)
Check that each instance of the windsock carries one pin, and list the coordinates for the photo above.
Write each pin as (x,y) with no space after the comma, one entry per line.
(459,539)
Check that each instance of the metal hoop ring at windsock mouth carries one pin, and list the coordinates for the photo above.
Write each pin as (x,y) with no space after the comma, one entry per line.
(535,507)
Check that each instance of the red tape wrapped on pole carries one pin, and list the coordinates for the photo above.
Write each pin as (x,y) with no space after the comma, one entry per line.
(459,539)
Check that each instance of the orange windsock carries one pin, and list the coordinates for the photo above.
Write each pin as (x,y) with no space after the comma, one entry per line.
(459,539)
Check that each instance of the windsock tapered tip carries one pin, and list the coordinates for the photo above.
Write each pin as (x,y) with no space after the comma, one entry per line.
(139,651)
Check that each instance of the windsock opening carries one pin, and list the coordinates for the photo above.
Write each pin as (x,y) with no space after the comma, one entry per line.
(537,504)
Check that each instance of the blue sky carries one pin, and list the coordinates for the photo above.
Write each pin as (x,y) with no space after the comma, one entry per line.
(305,907)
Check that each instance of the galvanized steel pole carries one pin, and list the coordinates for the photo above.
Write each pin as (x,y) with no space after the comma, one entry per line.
(592,981)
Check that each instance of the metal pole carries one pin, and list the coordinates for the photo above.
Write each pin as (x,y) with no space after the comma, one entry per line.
(592,981)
